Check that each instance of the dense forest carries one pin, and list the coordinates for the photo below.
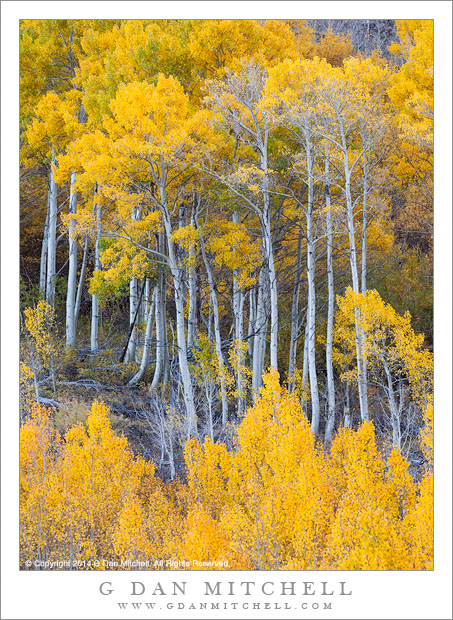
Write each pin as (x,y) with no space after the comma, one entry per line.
(226,293)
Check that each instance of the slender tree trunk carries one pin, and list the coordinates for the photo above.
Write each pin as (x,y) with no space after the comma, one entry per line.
(83,269)
(161,336)
(395,418)
(218,337)
(311,306)
(72,270)
(94,299)
(52,239)
(133,322)
(364,224)
(179,305)
(359,336)
(269,256)
(272,276)
(191,320)
(192,278)
(147,344)
(295,316)
(238,310)
(330,315)
(44,250)
(311,320)
(166,373)
(210,332)
(364,253)
(209,406)
(147,303)
(133,306)
(260,335)
(252,322)
(305,380)
(241,355)
(133,295)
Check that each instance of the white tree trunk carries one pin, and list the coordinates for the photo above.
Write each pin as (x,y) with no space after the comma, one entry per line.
(94,339)
(311,305)
(394,413)
(83,269)
(147,344)
(272,278)
(192,278)
(180,320)
(364,224)
(43,264)
(295,316)
(260,328)
(210,410)
(241,357)
(311,321)
(364,251)
(133,296)
(217,334)
(359,337)
(147,302)
(134,310)
(238,310)
(269,254)
(72,270)
(330,315)
(52,239)
(166,373)
(161,336)
(252,321)
(305,380)
(191,319)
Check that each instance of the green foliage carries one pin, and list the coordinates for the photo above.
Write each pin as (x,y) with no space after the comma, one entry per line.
(408,285)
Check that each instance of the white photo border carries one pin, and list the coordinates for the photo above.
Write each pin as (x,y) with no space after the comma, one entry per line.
(375,594)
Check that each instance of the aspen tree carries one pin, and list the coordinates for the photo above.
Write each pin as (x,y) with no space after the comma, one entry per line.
(94,334)
(336,123)
(72,271)
(233,247)
(147,341)
(51,48)
(331,305)
(217,334)
(295,315)
(391,347)
(299,100)
(161,335)
(134,125)
(238,99)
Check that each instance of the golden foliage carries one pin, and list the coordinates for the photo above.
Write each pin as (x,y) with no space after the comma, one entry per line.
(277,501)
(390,342)
(42,338)
(335,48)
(27,391)
(219,44)
(74,493)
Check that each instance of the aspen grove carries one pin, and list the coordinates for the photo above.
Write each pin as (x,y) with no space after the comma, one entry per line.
(226,293)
